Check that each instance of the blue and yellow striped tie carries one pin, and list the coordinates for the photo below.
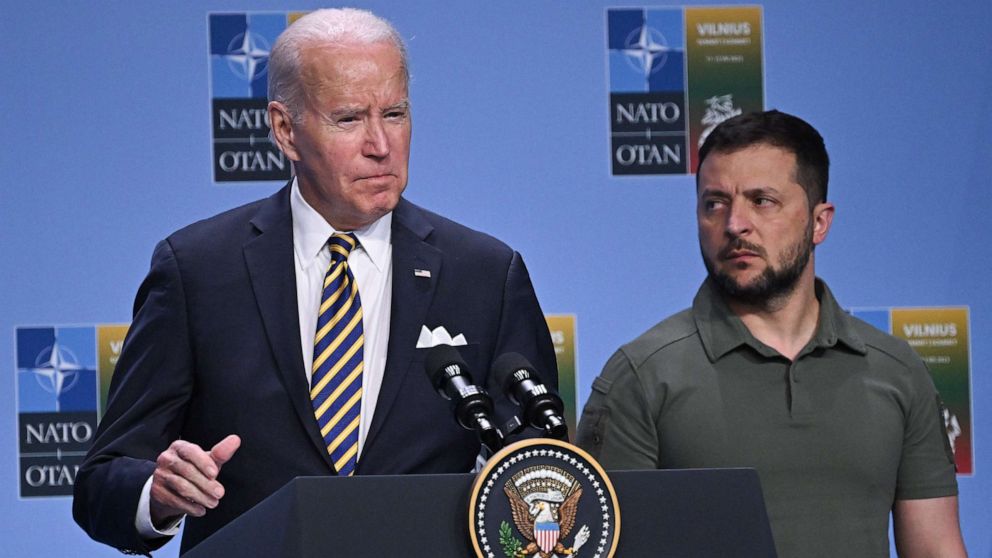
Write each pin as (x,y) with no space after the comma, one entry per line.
(338,358)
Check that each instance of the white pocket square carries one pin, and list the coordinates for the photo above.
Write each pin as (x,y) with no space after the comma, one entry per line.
(439,336)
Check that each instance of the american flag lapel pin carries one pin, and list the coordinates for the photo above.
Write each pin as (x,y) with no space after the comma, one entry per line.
(422,273)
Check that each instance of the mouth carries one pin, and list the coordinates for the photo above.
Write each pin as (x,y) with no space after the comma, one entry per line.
(741,251)
(740,255)
(384,181)
(383,176)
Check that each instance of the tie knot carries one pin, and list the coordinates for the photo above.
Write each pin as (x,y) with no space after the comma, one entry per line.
(341,245)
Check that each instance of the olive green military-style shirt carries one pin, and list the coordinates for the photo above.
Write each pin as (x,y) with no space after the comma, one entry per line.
(836,436)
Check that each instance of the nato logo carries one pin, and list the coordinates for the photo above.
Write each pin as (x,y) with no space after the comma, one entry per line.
(646,50)
(57,405)
(239,62)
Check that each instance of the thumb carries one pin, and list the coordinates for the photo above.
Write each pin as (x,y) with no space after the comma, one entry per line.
(224,450)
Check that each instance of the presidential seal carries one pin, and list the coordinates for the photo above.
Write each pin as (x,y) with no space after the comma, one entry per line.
(543,498)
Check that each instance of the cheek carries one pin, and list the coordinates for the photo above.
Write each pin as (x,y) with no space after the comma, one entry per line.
(706,246)
(709,233)
(401,141)
(340,159)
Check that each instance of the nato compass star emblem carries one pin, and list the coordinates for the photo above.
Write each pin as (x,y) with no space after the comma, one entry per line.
(56,370)
(248,55)
(646,50)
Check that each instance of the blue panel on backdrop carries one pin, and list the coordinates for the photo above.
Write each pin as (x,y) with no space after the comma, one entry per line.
(223,29)
(239,48)
(267,26)
(669,24)
(621,24)
(880,319)
(224,83)
(266,29)
(668,73)
(666,33)
(647,50)
(31,341)
(56,369)
(624,77)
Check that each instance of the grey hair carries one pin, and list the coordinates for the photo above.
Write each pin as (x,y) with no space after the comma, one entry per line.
(323,27)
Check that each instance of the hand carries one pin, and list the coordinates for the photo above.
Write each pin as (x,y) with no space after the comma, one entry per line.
(185,479)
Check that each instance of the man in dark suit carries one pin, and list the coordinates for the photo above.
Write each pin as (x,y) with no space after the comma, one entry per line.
(212,407)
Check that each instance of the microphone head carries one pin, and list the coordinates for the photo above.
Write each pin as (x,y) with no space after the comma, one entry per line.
(542,407)
(444,361)
(512,368)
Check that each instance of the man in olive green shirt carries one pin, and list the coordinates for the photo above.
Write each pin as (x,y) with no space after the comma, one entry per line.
(841,421)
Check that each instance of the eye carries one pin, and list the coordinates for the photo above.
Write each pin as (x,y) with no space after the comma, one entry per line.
(396,114)
(710,205)
(343,119)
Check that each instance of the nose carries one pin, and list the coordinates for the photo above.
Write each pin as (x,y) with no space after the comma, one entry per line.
(738,220)
(376,140)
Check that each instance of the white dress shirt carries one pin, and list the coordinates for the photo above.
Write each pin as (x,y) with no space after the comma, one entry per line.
(372,265)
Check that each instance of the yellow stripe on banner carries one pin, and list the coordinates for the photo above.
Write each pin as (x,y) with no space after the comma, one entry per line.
(344,409)
(326,353)
(344,458)
(333,446)
(337,392)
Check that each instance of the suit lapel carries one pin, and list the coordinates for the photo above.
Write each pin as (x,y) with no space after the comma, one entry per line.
(271,268)
(412,295)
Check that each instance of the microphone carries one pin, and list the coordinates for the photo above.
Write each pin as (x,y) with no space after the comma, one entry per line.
(542,407)
(473,407)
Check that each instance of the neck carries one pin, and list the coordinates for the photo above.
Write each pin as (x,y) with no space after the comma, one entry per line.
(787,323)
(337,220)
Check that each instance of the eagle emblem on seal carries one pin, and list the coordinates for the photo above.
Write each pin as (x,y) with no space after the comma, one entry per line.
(543,502)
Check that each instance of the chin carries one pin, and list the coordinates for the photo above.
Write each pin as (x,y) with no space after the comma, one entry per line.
(746,275)
(385,204)
(744,281)
(376,210)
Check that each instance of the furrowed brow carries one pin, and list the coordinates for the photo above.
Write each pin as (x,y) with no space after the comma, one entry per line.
(713,193)
(402,105)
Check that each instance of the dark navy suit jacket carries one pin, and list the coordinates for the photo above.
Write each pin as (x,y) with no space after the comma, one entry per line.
(214,349)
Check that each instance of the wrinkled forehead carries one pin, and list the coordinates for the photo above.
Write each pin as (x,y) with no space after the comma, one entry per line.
(756,161)
(326,61)
(330,71)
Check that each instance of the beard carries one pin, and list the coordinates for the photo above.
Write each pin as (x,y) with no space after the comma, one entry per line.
(774,283)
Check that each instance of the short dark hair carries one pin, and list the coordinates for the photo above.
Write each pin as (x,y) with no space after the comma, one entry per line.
(781,130)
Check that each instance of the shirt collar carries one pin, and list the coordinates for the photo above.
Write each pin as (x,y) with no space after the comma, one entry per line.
(836,324)
(311,231)
(721,331)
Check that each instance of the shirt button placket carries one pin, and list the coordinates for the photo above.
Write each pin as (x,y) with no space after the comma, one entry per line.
(800,402)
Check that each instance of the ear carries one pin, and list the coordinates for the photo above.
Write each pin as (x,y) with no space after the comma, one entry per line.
(823,217)
(281,124)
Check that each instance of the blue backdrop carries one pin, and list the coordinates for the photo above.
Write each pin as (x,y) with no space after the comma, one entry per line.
(106,149)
